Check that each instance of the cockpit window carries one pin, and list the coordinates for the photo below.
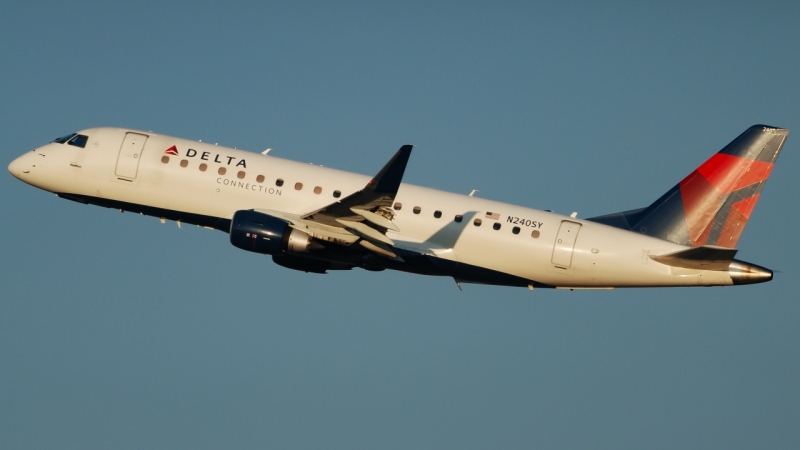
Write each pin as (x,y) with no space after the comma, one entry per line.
(79,141)
(63,139)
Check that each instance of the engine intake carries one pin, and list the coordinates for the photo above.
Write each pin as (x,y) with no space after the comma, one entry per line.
(262,233)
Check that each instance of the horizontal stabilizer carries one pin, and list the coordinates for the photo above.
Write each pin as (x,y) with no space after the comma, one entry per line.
(707,257)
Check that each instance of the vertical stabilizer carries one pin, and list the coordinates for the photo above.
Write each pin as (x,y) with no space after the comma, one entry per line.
(711,205)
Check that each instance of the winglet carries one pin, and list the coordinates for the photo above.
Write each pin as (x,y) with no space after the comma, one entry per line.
(379,192)
(387,181)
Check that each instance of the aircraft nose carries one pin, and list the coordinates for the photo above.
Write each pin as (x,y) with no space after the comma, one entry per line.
(16,167)
(22,166)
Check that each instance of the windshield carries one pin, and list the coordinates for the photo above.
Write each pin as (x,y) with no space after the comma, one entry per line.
(63,139)
(79,141)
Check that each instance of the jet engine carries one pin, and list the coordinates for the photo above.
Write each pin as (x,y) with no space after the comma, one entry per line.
(262,233)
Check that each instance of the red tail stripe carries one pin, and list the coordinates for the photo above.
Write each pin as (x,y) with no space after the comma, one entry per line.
(728,173)
(746,206)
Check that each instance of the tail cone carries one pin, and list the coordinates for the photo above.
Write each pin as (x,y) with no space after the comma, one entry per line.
(744,273)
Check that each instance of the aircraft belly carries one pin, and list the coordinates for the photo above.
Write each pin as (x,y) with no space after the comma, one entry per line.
(501,252)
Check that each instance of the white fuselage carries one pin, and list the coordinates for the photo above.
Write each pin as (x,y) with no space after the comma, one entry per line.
(602,256)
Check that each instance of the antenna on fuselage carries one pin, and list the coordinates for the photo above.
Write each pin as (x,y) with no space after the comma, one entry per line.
(472,194)
(266,151)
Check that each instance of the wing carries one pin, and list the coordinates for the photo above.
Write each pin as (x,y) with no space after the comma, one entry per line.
(376,196)
(363,217)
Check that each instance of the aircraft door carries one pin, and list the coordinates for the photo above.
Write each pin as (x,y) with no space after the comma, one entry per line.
(129,155)
(565,243)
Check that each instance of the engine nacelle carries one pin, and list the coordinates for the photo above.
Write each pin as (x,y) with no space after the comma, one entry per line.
(262,233)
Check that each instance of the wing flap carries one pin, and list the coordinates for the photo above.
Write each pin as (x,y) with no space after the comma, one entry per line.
(365,231)
(376,219)
(380,249)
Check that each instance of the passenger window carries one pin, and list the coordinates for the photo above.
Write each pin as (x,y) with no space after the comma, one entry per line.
(317,190)
(477,222)
(417,210)
(260,179)
(203,167)
(184,163)
(298,186)
(496,225)
(165,159)
(221,171)
(63,139)
(535,234)
(437,214)
(398,206)
(515,230)
(279,182)
(459,218)
(79,141)
(337,194)
(240,175)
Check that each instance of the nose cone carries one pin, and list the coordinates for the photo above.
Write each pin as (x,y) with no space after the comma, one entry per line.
(744,273)
(16,167)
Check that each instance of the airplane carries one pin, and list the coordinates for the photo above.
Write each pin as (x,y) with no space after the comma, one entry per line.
(317,219)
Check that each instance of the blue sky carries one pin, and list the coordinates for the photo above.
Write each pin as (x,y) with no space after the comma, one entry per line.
(119,332)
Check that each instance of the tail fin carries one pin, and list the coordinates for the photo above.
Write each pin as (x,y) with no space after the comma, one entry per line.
(711,205)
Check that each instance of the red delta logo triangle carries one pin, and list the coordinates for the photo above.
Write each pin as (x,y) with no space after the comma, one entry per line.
(172,151)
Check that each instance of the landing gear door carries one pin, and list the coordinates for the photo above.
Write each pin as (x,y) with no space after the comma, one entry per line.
(129,155)
(565,244)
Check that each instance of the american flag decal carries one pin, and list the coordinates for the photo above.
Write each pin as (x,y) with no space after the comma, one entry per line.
(491,215)
(172,151)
